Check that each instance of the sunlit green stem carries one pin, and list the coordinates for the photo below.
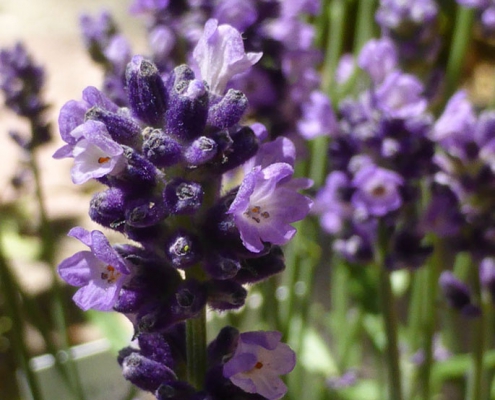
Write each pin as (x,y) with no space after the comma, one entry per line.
(458,49)
(196,350)
(387,303)
(477,385)
(429,316)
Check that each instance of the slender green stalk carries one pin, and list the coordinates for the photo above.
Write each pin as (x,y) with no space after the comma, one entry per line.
(17,337)
(477,385)
(340,307)
(458,49)
(364,30)
(429,317)
(390,321)
(337,16)
(196,350)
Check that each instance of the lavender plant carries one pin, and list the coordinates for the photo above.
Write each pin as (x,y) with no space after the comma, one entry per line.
(162,160)
(202,149)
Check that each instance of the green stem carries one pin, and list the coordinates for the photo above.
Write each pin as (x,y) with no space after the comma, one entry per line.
(340,305)
(196,350)
(337,15)
(364,24)
(459,47)
(319,157)
(477,386)
(387,304)
(432,272)
(17,332)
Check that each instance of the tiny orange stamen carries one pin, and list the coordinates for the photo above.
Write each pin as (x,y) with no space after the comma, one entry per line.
(103,160)
(258,365)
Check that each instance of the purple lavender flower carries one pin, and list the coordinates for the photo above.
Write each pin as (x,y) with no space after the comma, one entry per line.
(258,361)
(377,190)
(220,55)
(400,96)
(265,205)
(95,153)
(458,294)
(487,276)
(318,118)
(332,202)
(456,123)
(100,273)
(378,58)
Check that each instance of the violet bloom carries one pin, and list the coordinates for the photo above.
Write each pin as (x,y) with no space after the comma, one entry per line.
(318,118)
(332,202)
(100,272)
(258,361)
(378,58)
(377,190)
(487,276)
(400,96)
(265,205)
(220,55)
(95,153)
(458,294)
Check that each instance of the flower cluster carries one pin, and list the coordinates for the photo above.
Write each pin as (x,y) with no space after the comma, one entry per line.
(282,88)
(163,159)
(377,157)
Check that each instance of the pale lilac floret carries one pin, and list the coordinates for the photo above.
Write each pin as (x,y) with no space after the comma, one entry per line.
(456,122)
(265,205)
(331,204)
(400,96)
(318,118)
(258,362)
(377,191)
(100,272)
(378,58)
(95,153)
(220,55)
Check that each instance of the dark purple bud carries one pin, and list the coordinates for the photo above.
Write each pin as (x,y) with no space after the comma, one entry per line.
(121,128)
(147,95)
(245,145)
(200,151)
(407,251)
(183,197)
(139,171)
(258,269)
(161,149)
(125,352)
(156,347)
(183,250)
(178,390)
(222,266)
(188,300)
(107,208)
(188,105)
(146,374)
(225,295)
(130,300)
(181,73)
(458,294)
(223,346)
(228,111)
(146,212)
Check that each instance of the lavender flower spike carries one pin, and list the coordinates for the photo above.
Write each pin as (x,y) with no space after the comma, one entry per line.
(100,272)
(258,361)
(220,55)
(265,205)
(377,190)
